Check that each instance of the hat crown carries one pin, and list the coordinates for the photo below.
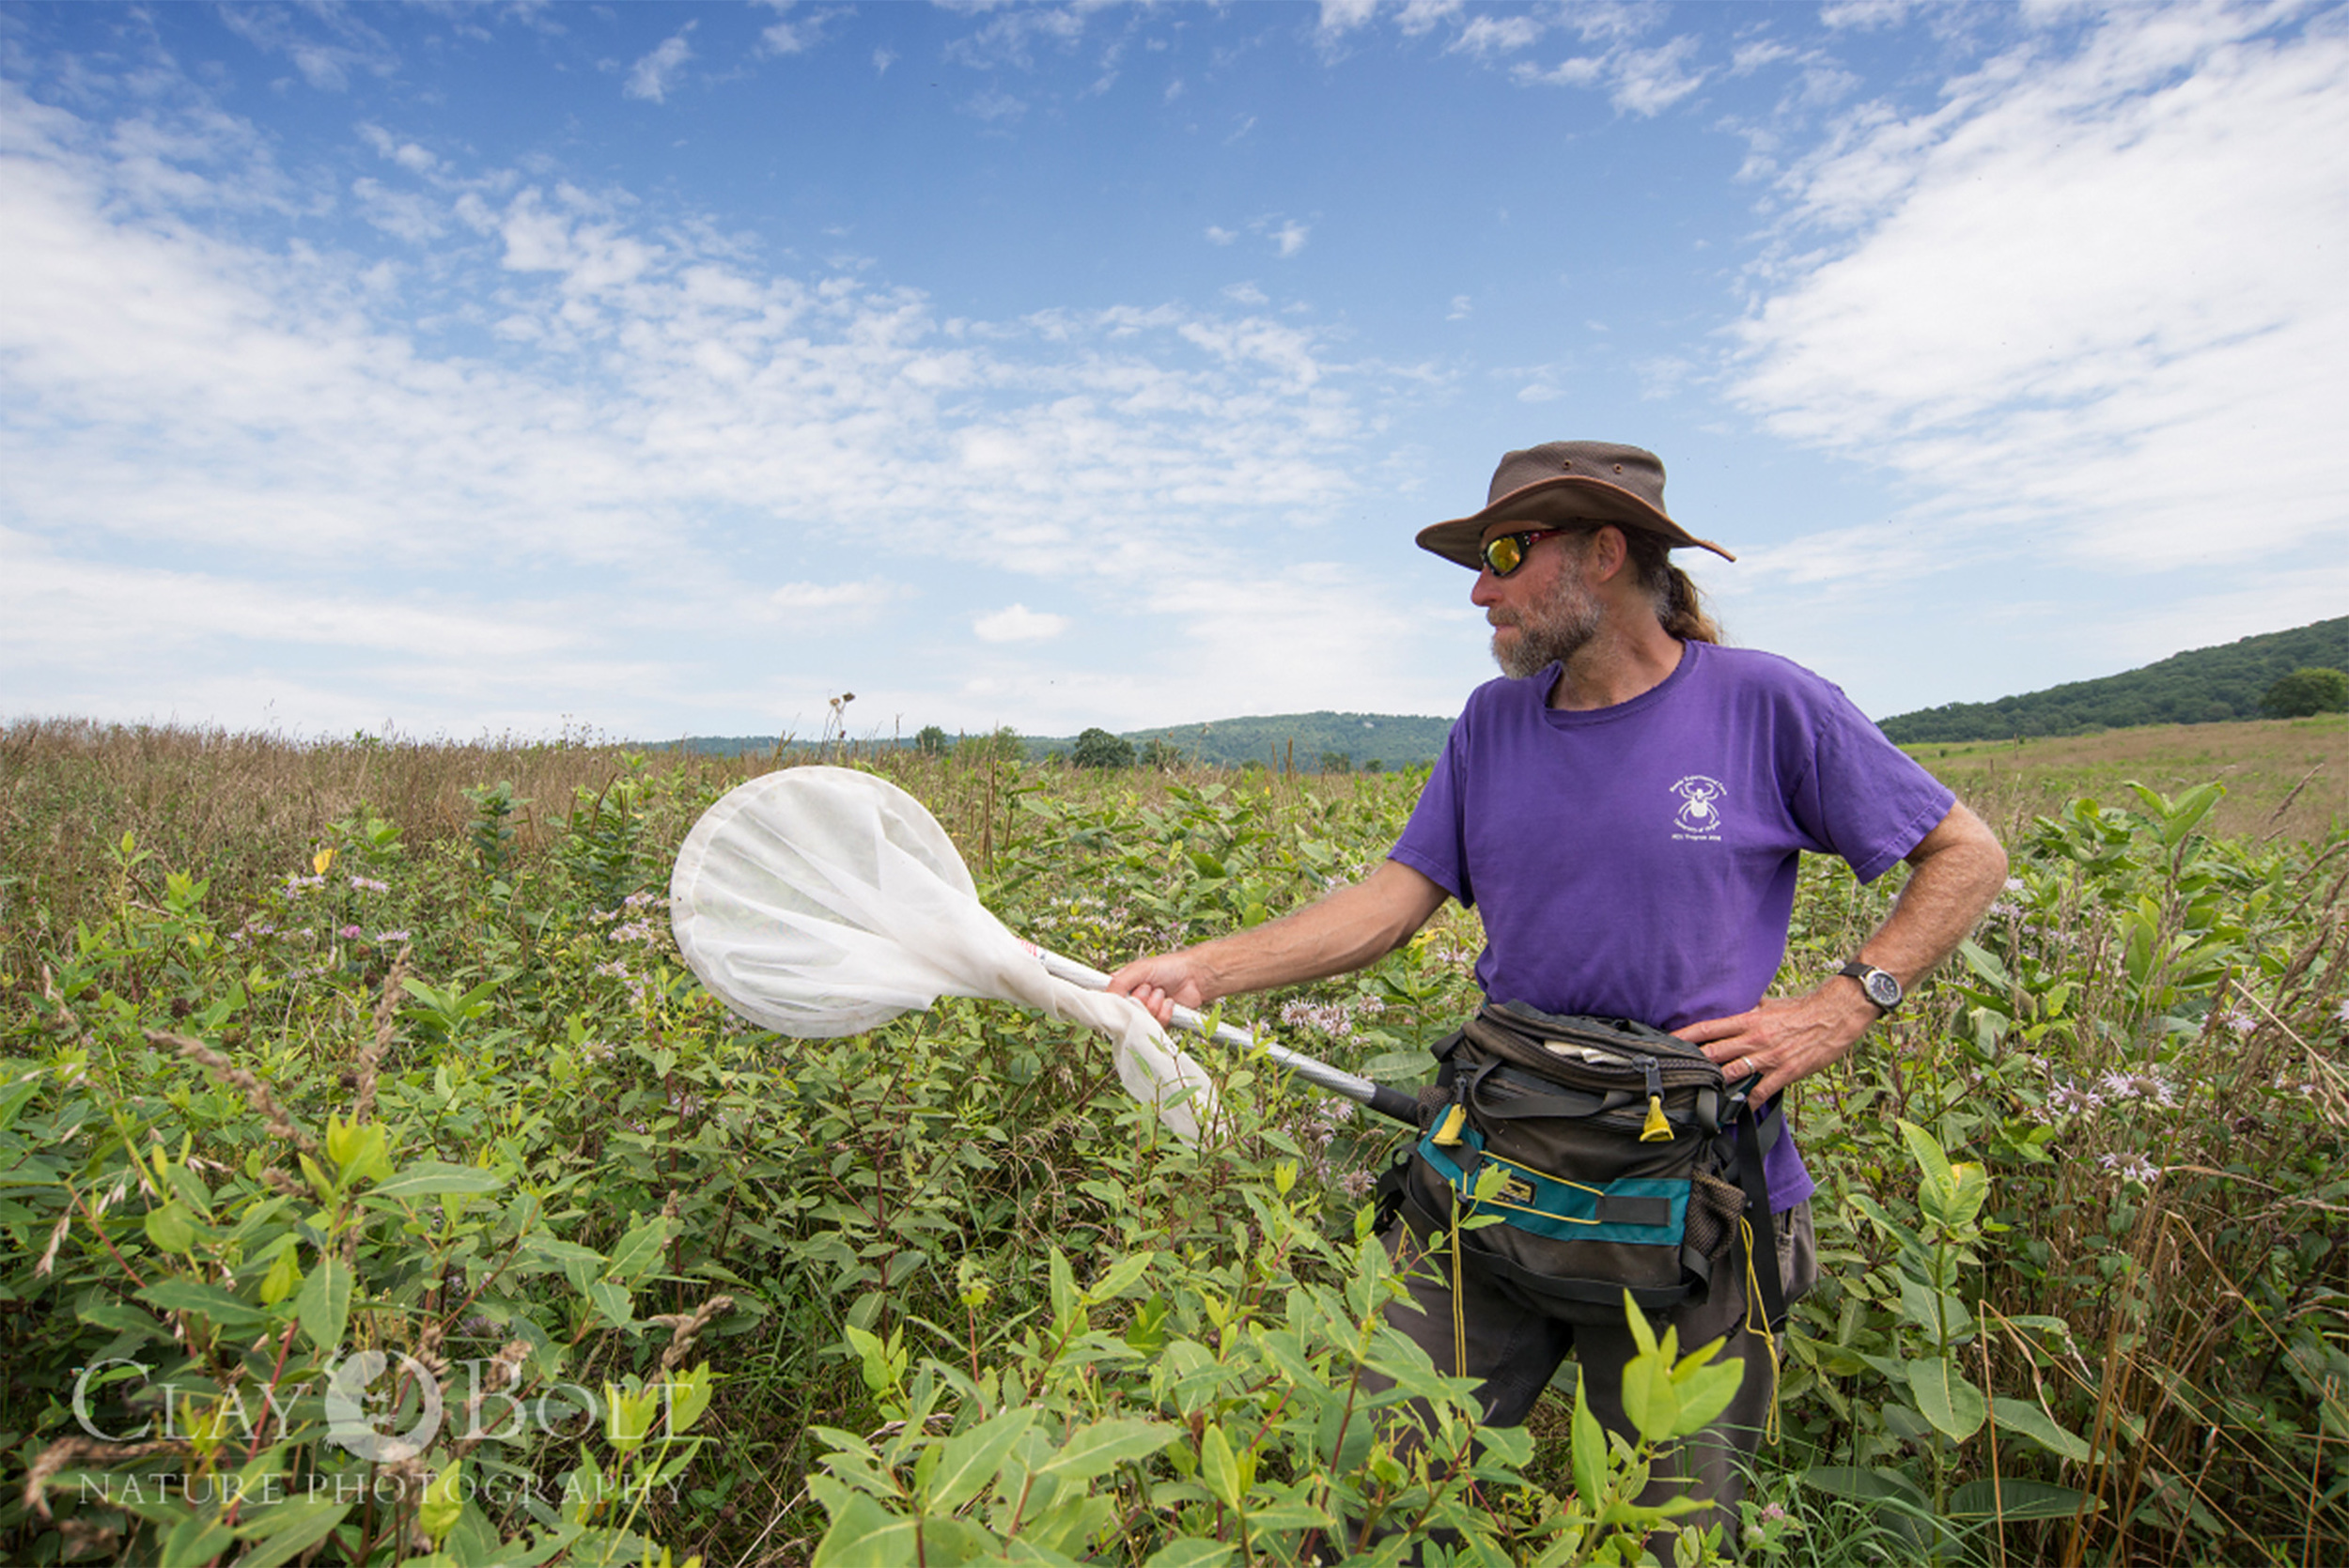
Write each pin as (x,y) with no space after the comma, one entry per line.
(1629,467)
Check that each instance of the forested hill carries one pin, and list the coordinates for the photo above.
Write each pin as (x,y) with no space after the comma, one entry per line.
(1304,741)
(2197,686)
(1392,740)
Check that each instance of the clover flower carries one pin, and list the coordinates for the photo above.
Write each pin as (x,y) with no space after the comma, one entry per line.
(349,933)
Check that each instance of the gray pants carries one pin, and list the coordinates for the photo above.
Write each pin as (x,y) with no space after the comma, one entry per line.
(1515,1350)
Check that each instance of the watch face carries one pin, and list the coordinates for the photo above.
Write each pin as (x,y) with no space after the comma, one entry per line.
(1882,989)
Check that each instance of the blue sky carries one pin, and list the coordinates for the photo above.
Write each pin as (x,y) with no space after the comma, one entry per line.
(666,369)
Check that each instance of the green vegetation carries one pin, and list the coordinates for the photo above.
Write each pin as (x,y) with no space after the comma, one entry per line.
(2200,687)
(310,1053)
(1098,747)
(2305,692)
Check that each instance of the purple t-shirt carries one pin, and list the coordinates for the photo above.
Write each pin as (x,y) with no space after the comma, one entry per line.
(1639,861)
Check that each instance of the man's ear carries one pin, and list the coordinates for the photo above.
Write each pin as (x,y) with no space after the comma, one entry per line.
(1604,560)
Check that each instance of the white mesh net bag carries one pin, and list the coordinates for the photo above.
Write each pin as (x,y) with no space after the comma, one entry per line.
(822,902)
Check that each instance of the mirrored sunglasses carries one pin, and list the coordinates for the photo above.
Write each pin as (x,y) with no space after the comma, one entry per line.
(1506,553)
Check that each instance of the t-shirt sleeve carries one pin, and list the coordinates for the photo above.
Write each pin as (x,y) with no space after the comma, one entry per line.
(1864,797)
(1434,842)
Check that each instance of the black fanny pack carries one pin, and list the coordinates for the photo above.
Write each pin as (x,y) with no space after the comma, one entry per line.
(1627,1165)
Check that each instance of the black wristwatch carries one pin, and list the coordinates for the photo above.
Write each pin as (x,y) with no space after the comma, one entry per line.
(1878,985)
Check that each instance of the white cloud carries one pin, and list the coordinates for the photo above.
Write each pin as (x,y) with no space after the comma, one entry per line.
(1220,236)
(1643,81)
(1461,306)
(205,411)
(1245,294)
(1290,238)
(1497,35)
(870,594)
(2094,294)
(788,36)
(1343,16)
(657,72)
(1018,624)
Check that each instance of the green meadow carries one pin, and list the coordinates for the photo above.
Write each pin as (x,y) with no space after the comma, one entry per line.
(379,1189)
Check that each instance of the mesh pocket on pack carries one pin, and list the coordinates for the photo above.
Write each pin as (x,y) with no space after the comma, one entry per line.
(1714,1207)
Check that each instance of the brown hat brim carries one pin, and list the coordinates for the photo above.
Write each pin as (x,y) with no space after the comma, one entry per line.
(1565,498)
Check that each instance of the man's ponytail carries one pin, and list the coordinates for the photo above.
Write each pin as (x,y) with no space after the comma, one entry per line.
(1679,604)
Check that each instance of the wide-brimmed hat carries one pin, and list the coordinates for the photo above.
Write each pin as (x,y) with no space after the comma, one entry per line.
(1564,481)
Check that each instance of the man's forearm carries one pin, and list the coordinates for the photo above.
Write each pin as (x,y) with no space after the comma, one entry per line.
(1959,870)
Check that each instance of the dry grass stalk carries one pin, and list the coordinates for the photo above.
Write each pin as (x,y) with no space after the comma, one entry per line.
(72,1451)
(505,1374)
(386,1019)
(686,1327)
(256,1093)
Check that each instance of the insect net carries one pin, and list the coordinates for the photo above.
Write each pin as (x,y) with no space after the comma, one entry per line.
(822,902)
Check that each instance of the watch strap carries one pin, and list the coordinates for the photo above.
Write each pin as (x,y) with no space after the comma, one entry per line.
(1875,983)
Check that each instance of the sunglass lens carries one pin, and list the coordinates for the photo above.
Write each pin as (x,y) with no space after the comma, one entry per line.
(1503,554)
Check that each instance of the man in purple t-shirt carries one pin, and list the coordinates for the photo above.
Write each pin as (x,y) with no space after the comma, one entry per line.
(1627,809)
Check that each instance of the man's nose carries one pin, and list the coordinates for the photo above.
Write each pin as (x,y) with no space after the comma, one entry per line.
(1488,589)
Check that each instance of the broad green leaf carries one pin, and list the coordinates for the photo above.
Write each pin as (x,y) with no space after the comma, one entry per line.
(1947,1398)
(639,1251)
(283,1276)
(1705,1394)
(1938,1312)
(1218,1468)
(1120,1276)
(612,1301)
(2011,1498)
(285,1530)
(1982,963)
(209,1302)
(1063,1286)
(863,1534)
(1097,1449)
(1927,1150)
(196,1539)
(1845,1481)
(555,1249)
(1192,1553)
(170,1228)
(426,1178)
(1633,1318)
(968,1460)
(323,1303)
(2020,1415)
(1590,1453)
(1649,1397)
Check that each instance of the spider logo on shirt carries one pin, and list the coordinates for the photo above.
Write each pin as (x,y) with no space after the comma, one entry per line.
(1700,809)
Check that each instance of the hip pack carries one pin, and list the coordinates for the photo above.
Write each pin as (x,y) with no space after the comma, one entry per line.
(1627,1165)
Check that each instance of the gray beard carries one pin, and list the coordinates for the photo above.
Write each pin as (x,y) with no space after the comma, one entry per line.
(1551,632)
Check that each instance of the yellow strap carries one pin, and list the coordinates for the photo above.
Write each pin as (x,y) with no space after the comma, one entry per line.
(1447,1133)
(1770,1340)
(1657,1129)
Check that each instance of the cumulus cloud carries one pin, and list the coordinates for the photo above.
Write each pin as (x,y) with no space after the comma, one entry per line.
(2095,291)
(1016,623)
(204,407)
(651,77)
(1290,238)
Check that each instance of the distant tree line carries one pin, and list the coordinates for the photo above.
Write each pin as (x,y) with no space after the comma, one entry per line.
(2236,681)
